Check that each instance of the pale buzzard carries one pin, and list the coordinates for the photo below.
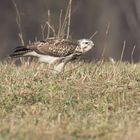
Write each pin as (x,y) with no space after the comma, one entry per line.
(55,51)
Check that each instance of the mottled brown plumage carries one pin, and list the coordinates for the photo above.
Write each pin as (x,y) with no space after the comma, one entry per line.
(56,48)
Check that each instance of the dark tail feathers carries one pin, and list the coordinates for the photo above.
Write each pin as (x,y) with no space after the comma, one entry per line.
(20,51)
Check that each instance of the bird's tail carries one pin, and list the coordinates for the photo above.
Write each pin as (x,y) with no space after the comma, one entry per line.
(20,51)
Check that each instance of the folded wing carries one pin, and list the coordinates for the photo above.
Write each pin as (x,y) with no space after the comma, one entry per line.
(56,48)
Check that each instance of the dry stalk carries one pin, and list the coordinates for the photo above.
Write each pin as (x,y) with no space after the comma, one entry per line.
(49,21)
(49,27)
(62,31)
(66,21)
(103,51)
(132,53)
(93,34)
(52,28)
(43,27)
(124,45)
(60,24)
(106,35)
(18,20)
(69,18)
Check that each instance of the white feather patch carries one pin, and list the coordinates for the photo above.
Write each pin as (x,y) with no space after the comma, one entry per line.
(48,59)
(43,58)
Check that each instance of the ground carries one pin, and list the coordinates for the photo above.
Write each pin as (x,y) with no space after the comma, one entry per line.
(99,100)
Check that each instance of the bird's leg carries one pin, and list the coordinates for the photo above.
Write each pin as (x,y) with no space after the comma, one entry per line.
(59,65)
(59,68)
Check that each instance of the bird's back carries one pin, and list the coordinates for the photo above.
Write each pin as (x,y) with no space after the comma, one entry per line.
(54,47)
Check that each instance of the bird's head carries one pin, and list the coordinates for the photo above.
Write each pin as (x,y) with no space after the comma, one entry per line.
(84,45)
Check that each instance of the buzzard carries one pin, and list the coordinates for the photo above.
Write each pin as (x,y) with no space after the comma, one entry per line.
(57,52)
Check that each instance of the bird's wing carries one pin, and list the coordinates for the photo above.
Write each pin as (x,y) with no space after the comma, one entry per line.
(54,47)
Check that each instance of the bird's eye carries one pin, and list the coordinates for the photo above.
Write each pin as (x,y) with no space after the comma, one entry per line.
(86,43)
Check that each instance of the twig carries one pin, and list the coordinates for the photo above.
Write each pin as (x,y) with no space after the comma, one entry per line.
(69,19)
(60,24)
(93,34)
(49,21)
(106,34)
(124,44)
(103,51)
(53,30)
(65,22)
(132,53)
(18,20)
(43,27)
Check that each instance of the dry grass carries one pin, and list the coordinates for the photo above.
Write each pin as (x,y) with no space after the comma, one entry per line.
(90,102)
(95,101)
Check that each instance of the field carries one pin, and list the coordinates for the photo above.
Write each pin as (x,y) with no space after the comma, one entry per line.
(99,100)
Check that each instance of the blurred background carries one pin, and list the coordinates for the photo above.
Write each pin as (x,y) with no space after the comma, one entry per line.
(120,17)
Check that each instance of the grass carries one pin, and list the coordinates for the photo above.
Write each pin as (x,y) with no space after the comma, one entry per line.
(95,101)
(98,100)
